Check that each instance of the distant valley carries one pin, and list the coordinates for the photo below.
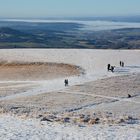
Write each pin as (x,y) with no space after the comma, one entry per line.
(65,35)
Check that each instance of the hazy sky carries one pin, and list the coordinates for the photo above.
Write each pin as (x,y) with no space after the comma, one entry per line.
(54,8)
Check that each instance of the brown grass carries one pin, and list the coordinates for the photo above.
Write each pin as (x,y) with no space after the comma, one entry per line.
(36,71)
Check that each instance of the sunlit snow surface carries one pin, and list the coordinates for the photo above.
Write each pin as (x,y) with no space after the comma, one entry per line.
(94,63)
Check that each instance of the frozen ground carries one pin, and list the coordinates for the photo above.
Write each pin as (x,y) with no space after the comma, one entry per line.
(94,63)
(21,129)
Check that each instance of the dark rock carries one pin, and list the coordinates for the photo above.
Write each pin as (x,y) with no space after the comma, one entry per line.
(67,120)
(46,119)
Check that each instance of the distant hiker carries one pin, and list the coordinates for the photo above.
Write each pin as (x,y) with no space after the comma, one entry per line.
(112,68)
(108,67)
(66,82)
(120,63)
(129,96)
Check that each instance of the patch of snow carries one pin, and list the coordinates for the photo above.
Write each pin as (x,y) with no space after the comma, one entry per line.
(94,62)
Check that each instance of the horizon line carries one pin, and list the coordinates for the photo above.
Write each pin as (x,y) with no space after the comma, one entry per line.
(69,17)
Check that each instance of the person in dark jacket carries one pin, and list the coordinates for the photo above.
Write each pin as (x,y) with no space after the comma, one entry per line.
(120,63)
(108,67)
(66,82)
(129,96)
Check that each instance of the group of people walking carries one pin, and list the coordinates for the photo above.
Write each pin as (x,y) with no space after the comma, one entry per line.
(111,68)
(121,64)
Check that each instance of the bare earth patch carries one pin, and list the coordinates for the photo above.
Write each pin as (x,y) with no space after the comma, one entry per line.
(35,71)
(16,77)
